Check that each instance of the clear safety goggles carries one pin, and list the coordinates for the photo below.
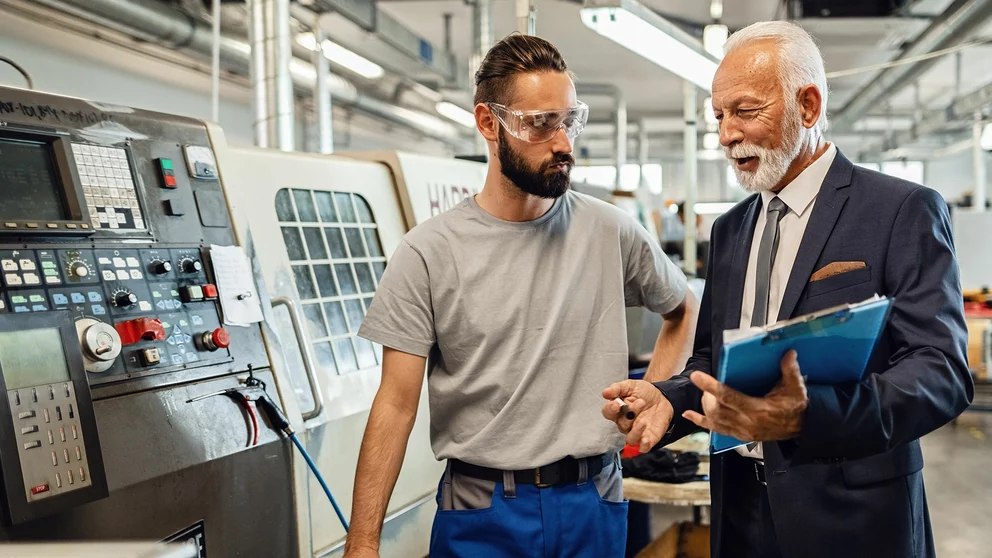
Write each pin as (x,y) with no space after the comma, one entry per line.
(539,126)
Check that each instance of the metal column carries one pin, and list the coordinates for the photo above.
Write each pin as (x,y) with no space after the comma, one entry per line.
(621,139)
(256,40)
(526,15)
(482,40)
(981,176)
(281,115)
(691,177)
(321,92)
(215,64)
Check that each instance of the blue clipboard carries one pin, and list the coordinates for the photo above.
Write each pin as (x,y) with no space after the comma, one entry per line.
(833,347)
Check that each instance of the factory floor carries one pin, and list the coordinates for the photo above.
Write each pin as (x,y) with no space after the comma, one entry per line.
(958,478)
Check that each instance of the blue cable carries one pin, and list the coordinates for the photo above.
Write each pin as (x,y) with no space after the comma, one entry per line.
(320,479)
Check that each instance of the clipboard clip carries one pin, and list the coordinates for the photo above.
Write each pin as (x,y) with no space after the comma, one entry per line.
(807,325)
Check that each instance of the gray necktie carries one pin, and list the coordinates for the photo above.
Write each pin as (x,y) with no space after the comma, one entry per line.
(766,259)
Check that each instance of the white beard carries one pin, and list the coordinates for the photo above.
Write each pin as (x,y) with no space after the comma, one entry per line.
(772,163)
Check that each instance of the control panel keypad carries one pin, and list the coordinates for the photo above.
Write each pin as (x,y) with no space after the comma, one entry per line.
(50,442)
(20,268)
(108,187)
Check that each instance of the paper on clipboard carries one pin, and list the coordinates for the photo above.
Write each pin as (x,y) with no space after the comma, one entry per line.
(235,286)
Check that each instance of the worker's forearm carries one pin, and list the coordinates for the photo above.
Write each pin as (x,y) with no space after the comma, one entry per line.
(379,462)
(674,346)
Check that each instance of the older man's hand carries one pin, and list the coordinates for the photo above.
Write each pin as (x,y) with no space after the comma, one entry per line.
(776,416)
(653,412)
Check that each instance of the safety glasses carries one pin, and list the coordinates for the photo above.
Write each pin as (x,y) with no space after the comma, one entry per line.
(539,126)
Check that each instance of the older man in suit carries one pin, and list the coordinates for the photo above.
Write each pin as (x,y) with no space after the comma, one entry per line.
(837,471)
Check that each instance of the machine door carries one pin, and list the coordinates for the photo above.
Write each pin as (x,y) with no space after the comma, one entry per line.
(323,228)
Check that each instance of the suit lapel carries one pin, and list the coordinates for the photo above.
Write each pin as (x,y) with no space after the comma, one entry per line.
(829,203)
(738,269)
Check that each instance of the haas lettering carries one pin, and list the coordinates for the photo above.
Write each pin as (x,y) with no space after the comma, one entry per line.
(445,196)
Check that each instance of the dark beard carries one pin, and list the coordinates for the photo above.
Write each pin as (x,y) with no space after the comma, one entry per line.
(544,182)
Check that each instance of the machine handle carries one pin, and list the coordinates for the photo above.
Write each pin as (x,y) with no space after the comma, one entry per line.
(308,361)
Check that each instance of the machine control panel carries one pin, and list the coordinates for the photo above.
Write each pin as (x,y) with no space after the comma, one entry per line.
(105,235)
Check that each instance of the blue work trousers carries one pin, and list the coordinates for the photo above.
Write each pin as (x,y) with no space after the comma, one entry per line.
(524,521)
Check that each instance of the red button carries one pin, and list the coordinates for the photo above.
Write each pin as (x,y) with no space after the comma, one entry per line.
(209,291)
(39,489)
(221,338)
(170,181)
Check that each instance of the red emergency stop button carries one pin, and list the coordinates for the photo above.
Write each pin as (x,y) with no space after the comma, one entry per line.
(216,339)
(141,329)
(209,292)
(39,489)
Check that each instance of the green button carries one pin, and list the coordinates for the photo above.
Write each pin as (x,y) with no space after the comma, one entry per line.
(48,265)
(175,293)
(183,323)
(156,294)
(37,298)
(51,272)
(18,300)
(166,163)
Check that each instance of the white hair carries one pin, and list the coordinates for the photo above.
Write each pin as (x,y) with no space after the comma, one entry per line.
(800,61)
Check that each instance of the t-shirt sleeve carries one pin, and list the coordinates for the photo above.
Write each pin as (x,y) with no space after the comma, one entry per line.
(401,316)
(651,279)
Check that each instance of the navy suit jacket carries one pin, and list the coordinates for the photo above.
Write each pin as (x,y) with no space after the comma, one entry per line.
(851,483)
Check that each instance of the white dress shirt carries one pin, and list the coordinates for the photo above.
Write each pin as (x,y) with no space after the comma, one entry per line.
(799,195)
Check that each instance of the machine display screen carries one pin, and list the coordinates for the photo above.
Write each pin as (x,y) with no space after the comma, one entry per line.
(30,189)
(32,357)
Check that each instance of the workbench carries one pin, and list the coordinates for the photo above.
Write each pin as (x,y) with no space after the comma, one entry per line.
(695,494)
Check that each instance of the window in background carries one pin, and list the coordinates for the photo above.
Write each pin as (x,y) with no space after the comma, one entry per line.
(907,170)
(605,175)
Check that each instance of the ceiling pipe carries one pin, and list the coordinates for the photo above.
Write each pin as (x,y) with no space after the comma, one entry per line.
(168,28)
(952,27)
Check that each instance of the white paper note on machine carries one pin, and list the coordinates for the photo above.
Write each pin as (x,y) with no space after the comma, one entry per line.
(235,286)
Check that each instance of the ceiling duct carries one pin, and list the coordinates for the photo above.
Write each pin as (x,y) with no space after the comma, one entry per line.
(361,27)
(952,27)
(161,25)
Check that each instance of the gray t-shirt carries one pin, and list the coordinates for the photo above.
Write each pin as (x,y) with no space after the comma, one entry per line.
(523,323)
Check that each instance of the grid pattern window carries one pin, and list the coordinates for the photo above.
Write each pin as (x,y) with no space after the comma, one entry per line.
(337,260)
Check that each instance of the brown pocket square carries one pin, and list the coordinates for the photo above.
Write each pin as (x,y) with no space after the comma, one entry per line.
(835,268)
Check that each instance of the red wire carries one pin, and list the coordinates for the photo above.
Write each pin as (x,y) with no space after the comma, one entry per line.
(254,421)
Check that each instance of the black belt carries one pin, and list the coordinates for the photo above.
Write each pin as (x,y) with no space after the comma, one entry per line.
(558,473)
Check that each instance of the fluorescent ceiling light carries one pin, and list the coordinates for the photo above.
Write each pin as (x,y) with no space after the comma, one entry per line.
(711,141)
(455,113)
(714,37)
(713,208)
(343,57)
(638,29)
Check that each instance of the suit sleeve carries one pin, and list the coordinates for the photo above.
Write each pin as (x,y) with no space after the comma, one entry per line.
(928,382)
(679,391)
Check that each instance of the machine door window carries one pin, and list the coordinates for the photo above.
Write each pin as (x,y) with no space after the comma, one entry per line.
(337,258)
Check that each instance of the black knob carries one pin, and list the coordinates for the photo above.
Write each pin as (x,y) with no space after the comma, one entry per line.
(192,266)
(161,268)
(123,300)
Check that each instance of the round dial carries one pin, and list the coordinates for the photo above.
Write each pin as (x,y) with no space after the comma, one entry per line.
(189,265)
(123,298)
(79,268)
(160,267)
(100,342)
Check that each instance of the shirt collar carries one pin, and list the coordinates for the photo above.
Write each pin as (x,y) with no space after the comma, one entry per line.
(801,192)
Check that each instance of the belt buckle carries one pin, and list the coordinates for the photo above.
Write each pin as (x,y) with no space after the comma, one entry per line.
(537,479)
(759,473)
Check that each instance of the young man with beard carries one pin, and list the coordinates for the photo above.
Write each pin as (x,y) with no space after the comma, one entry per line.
(837,470)
(514,299)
